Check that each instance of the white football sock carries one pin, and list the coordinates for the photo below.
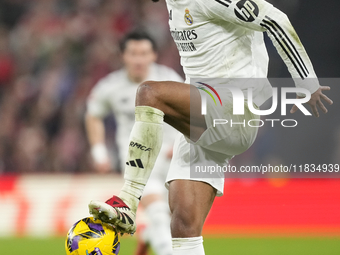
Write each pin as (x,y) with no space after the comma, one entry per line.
(188,246)
(144,146)
(158,229)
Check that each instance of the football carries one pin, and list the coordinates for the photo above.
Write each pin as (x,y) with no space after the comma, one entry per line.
(92,237)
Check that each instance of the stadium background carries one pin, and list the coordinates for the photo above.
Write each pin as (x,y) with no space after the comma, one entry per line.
(52,52)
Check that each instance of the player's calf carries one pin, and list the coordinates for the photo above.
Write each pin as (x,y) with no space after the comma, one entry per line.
(190,202)
(144,146)
(183,224)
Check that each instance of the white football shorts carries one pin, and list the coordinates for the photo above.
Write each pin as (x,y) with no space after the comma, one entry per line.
(218,144)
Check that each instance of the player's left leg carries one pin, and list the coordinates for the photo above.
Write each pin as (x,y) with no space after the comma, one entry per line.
(190,202)
(154,100)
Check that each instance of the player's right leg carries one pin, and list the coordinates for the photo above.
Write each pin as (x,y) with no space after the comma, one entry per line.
(154,101)
(190,202)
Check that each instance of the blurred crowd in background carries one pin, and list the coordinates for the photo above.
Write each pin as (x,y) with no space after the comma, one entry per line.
(52,53)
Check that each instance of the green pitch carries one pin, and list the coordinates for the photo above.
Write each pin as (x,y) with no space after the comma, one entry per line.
(213,246)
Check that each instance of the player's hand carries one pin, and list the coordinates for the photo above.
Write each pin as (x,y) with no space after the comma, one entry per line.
(315,101)
(102,167)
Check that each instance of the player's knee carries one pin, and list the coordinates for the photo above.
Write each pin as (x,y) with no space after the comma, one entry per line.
(185,224)
(147,94)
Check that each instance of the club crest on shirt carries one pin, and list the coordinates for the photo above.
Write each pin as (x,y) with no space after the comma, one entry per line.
(188,18)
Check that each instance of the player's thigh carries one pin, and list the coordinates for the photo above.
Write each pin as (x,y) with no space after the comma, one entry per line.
(190,202)
(180,102)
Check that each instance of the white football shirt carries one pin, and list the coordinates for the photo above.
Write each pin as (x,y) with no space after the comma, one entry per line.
(224,39)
